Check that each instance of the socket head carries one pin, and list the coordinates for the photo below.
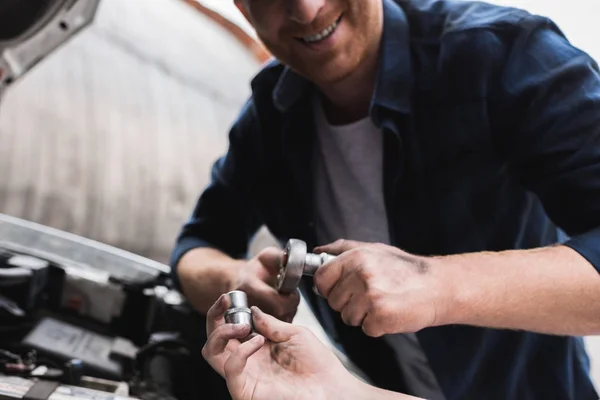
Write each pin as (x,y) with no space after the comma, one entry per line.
(238,311)
(291,268)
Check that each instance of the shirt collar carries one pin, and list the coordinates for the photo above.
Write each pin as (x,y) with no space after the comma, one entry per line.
(392,90)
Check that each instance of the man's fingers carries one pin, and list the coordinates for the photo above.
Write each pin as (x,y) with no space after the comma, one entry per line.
(271,328)
(216,313)
(372,327)
(270,258)
(273,302)
(347,286)
(328,275)
(339,246)
(215,347)
(355,311)
(235,364)
(347,297)
(290,306)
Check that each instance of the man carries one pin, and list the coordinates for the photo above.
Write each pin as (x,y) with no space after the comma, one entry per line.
(455,146)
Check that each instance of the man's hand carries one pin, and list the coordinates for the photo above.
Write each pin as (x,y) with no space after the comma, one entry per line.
(257,279)
(282,361)
(207,273)
(382,288)
(551,290)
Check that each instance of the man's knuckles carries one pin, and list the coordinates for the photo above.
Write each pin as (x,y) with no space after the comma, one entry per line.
(352,317)
(366,274)
(380,316)
(380,308)
(363,260)
(336,302)
(371,328)
(379,320)
(323,284)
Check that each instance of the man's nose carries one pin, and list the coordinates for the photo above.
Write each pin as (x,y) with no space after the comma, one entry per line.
(304,11)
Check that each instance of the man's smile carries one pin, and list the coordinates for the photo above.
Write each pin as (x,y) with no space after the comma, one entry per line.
(322,35)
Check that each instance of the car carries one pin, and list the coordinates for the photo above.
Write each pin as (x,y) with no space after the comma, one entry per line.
(79,318)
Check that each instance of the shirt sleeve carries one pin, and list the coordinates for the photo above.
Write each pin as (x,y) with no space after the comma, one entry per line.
(550,129)
(224,217)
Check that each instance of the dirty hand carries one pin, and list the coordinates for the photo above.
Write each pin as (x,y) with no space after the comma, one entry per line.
(257,279)
(282,361)
(382,288)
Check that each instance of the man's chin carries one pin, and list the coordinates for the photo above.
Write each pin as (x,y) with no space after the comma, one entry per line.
(324,75)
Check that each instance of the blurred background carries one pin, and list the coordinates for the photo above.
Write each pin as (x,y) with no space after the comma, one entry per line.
(112,137)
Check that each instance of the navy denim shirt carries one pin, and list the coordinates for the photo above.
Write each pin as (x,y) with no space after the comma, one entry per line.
(491,124)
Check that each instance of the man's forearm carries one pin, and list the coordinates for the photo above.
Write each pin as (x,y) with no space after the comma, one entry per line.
(205,274)
(551,290)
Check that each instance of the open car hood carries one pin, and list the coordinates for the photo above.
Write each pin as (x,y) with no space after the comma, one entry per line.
(32,29)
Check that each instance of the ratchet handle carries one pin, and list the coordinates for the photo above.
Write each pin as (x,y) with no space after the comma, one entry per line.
(315,261)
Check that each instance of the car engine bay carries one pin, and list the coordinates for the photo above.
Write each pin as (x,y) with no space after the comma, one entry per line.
(81,317)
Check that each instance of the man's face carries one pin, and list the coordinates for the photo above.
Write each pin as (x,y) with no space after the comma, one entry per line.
(323,40)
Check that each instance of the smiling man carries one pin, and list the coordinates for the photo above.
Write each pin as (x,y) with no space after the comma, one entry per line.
(455,147)
(332,44)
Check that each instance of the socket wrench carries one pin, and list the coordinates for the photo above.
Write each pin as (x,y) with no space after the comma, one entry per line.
(297,262)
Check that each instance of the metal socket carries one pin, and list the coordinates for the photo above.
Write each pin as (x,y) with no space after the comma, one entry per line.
(238,311)
(297,262)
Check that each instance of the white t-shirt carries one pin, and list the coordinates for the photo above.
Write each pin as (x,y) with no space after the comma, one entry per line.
(350,205)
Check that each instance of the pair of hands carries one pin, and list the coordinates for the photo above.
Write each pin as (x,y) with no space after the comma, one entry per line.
(278,361)
(379,287)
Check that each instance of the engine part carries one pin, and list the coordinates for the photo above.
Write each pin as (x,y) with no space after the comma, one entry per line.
(297,262)
(62,341)
(23,279)
(238,312)
(16,387)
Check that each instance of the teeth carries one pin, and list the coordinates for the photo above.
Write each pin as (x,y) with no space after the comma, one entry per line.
(321,35)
